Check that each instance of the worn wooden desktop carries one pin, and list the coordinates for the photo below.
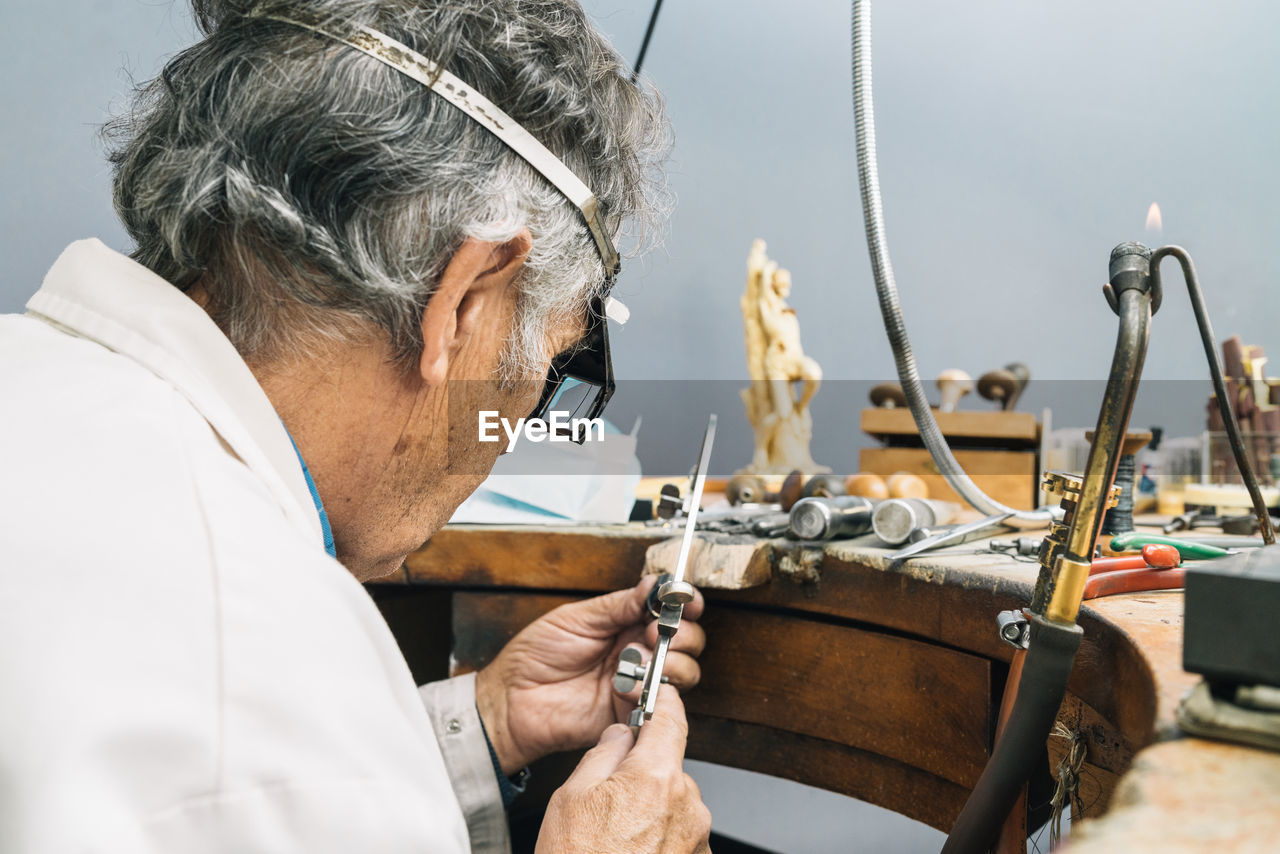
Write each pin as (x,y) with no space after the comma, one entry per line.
(882,684)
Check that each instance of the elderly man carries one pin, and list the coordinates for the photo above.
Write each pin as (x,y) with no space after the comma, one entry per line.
(344,252)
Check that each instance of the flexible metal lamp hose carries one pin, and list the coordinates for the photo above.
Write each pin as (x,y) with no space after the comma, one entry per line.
(887,289)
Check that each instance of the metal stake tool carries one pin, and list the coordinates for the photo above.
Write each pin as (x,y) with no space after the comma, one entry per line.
(953,535)
(673,595)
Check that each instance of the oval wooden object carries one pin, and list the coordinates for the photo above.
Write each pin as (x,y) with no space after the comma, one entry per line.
(902,484)
(866,485)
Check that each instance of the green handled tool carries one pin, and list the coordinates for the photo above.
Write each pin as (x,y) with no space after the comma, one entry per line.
(1188,549)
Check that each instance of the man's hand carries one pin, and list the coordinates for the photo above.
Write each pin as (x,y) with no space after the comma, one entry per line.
(551,687)
(631,801)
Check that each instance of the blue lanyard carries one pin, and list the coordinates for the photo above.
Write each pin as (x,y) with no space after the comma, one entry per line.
(315,496)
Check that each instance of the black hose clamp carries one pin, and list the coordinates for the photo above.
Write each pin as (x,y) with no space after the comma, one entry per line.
(653,602)
(1130,269)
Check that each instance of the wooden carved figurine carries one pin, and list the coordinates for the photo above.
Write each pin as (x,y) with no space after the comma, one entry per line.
(777,409)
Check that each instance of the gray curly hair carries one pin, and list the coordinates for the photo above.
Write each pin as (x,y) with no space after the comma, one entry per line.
(311,189)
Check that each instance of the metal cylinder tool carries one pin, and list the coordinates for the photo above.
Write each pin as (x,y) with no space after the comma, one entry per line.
(894,520)
(831,518)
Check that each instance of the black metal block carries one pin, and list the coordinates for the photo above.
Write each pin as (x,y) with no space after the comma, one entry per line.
(1232,627)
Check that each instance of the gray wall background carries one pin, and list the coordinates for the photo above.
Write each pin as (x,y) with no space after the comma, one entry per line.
(1018,142)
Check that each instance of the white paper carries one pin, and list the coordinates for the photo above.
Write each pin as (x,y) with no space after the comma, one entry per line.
(541,483)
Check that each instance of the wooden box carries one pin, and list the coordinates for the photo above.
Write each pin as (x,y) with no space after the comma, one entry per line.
(998,450)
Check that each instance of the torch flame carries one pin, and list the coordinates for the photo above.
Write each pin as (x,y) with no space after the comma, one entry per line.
(1155,224)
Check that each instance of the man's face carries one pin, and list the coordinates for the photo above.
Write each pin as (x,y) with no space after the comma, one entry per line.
(437,459)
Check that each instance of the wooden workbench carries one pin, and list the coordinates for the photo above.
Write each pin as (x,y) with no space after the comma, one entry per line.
(878,683)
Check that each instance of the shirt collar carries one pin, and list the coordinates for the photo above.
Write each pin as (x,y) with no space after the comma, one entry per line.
(99,294)
(329,545)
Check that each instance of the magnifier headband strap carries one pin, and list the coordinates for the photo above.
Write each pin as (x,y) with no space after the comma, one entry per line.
(431,74)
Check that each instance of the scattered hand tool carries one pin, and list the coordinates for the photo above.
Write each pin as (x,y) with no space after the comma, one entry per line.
(953,536)
(823,486)
(771,525)
(746,489)
(1229,542)
(759,520)
(670,504)
(741,520)
(1023,375)
(792,490)
(1153,556)
(1155,569)
(673,596)
(998,386)
(1188,549)
(830,518)
(953,384)
(1233,357)
(888,396)
(1020,546)
(895,519)
(1182,521)
(1244,524)
(1255,375)
(751,489)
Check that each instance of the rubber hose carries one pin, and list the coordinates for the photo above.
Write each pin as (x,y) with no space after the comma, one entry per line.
(1022,744)
(887,289)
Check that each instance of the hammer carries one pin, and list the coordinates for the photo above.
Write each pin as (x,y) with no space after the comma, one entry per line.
(750,489)
(953,384)
(1004,386)
(888,396)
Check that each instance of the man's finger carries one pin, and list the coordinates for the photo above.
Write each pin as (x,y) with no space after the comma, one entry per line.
(693,610)
(663,737)
(602,616)
(602,760)
(690,638)
(682,670)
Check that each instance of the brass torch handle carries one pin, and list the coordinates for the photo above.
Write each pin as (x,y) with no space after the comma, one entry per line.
(1130,290)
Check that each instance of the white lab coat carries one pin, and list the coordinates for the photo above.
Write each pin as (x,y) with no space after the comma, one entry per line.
(182,667)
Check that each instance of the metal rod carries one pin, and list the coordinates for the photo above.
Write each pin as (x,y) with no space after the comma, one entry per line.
(674,593)
(695,499)
(644,45)
(1219,383)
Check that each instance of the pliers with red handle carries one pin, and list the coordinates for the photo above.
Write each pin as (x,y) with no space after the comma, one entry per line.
(1157,568)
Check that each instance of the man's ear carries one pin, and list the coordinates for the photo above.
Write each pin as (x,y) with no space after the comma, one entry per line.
(469,292)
